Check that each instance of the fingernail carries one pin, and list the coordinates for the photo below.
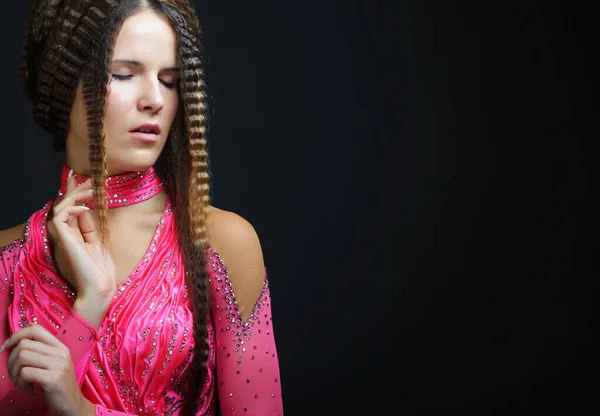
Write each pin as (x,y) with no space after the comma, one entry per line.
(4,346)
(70,174)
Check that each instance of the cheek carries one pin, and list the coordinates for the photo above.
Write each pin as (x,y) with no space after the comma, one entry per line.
(119,102)
(173,103)
(119,105)
(170,109)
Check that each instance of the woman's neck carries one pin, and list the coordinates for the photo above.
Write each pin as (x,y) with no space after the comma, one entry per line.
(131,193)
(128,189)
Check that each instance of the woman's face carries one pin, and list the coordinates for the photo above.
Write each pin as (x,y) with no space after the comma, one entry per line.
(142,91)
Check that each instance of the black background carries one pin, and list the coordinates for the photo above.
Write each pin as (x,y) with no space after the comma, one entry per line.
(420,180)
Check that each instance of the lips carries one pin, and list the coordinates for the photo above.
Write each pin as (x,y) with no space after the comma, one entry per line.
(145,137)
(147,129)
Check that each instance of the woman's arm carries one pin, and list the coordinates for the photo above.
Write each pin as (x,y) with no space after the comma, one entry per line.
(75,333)
(10,249)
(248,377)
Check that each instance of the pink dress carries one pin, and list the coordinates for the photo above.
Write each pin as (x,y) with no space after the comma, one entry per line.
(132,363)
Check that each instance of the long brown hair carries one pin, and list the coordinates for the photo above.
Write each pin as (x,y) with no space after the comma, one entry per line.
(70,43)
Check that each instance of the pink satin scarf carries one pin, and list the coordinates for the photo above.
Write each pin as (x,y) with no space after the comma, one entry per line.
(145,342)
(120,190)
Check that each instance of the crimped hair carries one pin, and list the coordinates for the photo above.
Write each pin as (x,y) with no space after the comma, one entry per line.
(68,44)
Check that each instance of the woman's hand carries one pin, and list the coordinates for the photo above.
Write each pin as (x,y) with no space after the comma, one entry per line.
(79,255)
(39,359)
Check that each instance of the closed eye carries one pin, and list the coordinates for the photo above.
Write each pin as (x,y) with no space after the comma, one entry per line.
(169,85)
(122,77)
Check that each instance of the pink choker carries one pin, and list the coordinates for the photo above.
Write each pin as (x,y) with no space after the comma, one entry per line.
(120,190)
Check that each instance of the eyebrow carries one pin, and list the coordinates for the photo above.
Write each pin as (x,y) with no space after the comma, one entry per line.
(138,63)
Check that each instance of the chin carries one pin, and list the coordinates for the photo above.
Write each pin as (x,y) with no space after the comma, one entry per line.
(133,164)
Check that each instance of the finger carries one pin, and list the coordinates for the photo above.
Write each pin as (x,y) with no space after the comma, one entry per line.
(87,226)
(67,217)
(81,193)
(29,345)
(71,201)
(65,229)
(64,215)
(26,358)
(35,333)
(71,182)
(25,345)
(32,375)
(74,189)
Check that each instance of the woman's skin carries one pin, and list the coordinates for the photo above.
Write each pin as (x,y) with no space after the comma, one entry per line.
(141,91)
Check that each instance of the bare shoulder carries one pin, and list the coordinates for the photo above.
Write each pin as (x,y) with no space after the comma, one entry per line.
(238,245)
(10,235)
(235,239)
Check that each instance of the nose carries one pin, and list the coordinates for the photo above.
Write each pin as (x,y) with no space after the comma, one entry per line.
(151,97)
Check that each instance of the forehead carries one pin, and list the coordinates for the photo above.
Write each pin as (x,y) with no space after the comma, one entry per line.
(146,36)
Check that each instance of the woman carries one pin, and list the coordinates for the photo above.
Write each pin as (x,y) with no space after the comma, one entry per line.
(128,293)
